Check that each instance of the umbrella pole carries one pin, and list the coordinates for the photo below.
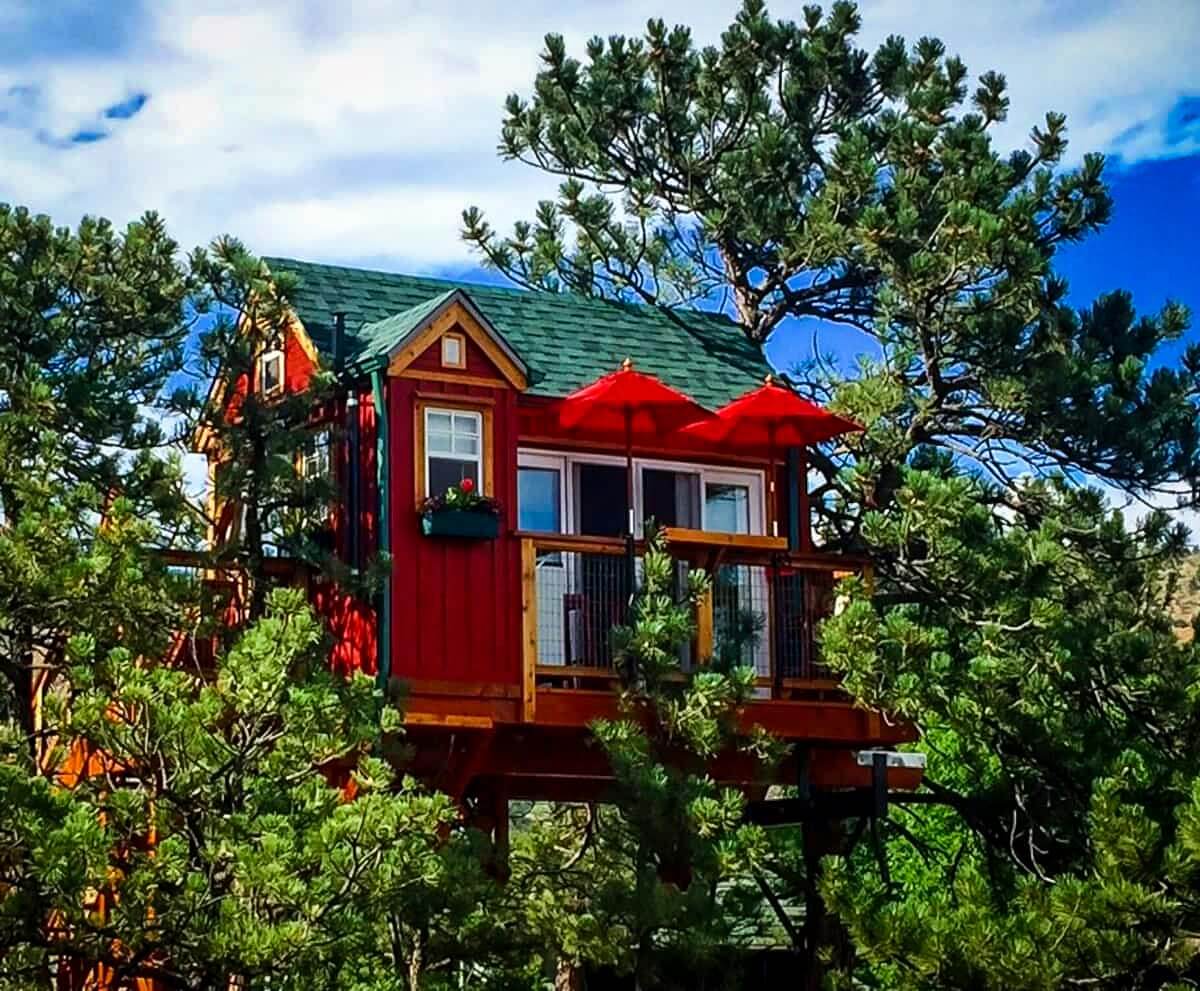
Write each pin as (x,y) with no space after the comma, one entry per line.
(629,471)
(630,566)
(772,500)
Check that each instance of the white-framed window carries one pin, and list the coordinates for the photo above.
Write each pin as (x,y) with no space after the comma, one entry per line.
(454,348)
(453,449)
(315,458)
(270,371)
(733,501)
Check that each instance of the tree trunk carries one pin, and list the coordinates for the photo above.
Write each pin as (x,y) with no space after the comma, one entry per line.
(19,664)
(568,976)
(821,930)
(416,961)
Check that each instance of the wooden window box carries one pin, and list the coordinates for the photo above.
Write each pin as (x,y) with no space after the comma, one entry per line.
(462,523)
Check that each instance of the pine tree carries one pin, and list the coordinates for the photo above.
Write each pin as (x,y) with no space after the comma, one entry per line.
(211,834)
(792,174)
(1059,711)
(787,173)
(164,820)
(680,850)
(269,443)
(91,328)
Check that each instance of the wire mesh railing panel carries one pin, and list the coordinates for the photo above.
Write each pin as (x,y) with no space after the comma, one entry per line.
(802,599)
(764,616)
(580,598)
(741,617)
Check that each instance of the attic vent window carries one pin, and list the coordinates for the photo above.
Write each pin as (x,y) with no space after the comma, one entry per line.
(270,372)
(454,351)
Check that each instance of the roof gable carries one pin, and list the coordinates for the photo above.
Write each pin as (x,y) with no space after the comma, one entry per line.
(565,341)
(397,340)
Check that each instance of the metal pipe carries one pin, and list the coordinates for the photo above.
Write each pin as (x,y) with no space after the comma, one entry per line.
(383,475)
(339,336)
(352,481)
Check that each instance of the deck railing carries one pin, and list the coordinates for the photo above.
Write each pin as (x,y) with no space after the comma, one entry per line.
(763,610)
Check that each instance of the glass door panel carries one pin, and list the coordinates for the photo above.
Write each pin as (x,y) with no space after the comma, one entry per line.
(741,601)
(600,500)
(671,498)
(727,507)
(539,499)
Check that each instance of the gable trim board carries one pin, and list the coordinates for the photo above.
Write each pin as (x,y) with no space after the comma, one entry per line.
(456,313)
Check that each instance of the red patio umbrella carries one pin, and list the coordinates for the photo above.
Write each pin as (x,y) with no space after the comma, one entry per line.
(628,404)
(769,417)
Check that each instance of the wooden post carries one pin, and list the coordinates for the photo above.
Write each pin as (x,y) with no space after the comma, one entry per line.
(529,630)
(500,841)
(704,627)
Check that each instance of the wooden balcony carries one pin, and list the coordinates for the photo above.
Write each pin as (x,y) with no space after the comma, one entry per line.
(763,611)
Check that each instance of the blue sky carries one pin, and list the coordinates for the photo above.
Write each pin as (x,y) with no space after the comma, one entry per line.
(1152,245)
(357,132)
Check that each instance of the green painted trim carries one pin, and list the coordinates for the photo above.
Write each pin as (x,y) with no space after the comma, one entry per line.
(383,475)
(793,493)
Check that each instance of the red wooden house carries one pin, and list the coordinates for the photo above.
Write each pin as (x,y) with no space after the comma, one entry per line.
(503,643)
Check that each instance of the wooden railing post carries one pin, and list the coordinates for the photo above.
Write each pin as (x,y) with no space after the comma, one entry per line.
(529,630)
(704,627)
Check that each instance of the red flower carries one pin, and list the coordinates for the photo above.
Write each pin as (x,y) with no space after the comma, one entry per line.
(467,485)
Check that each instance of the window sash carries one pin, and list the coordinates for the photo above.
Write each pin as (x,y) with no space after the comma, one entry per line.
(453,435)
(551,512)
(270,372)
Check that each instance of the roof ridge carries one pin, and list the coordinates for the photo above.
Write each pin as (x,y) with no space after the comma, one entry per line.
(432,302)
(362,269)
(567,298)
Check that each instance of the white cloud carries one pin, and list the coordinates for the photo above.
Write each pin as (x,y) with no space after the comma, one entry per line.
(362,131)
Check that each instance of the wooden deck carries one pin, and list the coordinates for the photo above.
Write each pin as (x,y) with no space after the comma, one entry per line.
(531,737)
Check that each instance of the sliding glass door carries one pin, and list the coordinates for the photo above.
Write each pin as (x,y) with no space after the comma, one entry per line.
(741,603)
(582,595)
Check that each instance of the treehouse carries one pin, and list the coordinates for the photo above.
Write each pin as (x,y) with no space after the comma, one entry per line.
(498,623)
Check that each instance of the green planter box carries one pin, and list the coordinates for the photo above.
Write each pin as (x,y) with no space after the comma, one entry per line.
(460,523)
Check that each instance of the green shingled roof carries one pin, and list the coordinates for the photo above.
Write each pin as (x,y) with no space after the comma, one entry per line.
(565,341)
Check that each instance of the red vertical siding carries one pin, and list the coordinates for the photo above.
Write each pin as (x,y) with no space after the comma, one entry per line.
(298,369)
(351,619)
(455,603)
